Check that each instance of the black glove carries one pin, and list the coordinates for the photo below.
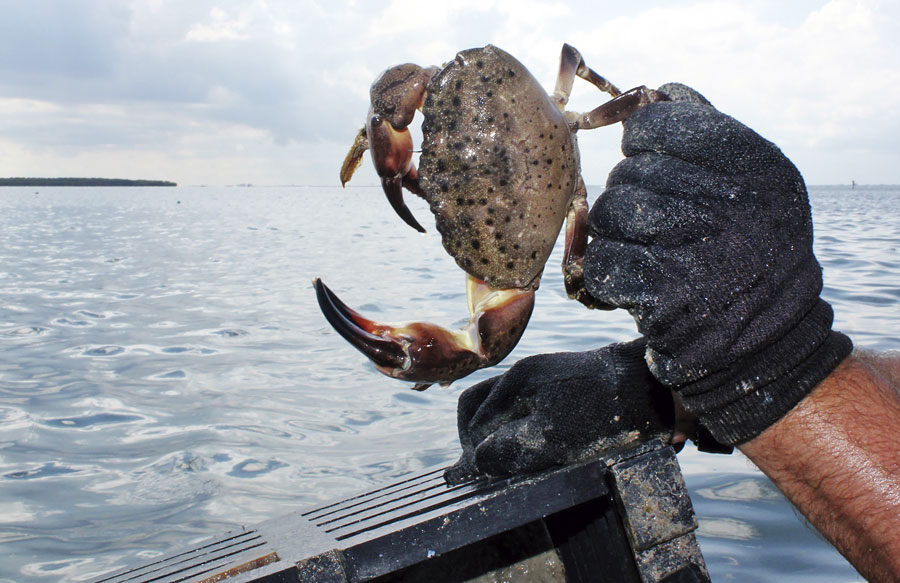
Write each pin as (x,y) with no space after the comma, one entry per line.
(555,409)
(704,234)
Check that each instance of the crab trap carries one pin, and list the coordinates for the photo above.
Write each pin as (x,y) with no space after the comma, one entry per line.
(621,518)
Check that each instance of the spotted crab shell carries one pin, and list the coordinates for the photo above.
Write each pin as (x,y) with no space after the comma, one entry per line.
(498,166)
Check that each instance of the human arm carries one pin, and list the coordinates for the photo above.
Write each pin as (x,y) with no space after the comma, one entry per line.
(704,234)
(836,456)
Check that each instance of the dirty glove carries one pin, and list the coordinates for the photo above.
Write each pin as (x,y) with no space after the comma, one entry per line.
(704,234)
(555,409)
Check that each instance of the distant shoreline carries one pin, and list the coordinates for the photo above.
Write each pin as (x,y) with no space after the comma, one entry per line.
(82,182)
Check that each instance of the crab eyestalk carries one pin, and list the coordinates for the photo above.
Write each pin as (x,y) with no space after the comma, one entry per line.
(395,95)
(426,353)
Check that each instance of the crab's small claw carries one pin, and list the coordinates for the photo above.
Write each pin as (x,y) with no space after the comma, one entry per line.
(395,96)
(426,353)
(392,155)
(394,193)
(392,151)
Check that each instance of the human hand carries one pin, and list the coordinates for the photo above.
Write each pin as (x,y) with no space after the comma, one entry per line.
(555,409)
(704,234)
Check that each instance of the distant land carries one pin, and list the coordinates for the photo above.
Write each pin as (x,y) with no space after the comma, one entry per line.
(82,182)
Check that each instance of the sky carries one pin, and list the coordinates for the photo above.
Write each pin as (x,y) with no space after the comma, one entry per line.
(274,91)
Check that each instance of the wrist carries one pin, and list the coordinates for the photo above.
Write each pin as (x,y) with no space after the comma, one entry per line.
(835,456)
(739,403)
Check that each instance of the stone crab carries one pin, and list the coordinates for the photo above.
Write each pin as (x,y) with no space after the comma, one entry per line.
(499,167)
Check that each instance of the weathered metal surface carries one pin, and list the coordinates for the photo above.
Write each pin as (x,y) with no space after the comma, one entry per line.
(523,555)
(661,561)
(658,515)
(624,519)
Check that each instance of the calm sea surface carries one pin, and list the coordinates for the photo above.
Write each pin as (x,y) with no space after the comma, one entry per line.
(166,375)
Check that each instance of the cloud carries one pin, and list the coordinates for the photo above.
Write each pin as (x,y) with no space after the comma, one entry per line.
(286,82)
(68,40)
(221,27)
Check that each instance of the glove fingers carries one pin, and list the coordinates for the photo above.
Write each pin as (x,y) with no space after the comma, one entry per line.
(472,398)
(467,407)
(681,92)
(636,214)
(463,470)
(626,275)
(700,135)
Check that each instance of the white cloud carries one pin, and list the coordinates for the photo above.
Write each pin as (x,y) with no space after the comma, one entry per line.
(221,27)
(17,107)
(282,77)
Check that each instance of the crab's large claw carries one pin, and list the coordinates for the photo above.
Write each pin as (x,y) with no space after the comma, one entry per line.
(425,353)
(396,95)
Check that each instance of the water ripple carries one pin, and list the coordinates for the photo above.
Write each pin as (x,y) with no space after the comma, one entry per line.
(252,468)
(91,421)
(48,470)
(24,331)
(167,367)
(103,351)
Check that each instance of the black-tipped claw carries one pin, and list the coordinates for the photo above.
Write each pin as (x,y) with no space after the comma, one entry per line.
(393,190)
(352,327)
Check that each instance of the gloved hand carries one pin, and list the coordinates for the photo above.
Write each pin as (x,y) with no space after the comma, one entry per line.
(704,234)
(555,409)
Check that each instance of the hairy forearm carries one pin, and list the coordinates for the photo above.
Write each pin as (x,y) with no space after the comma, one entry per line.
(836,456)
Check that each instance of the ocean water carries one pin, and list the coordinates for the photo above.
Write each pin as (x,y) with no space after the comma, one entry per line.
(166,375)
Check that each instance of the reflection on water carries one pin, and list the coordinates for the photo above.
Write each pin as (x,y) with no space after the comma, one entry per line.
(166,374)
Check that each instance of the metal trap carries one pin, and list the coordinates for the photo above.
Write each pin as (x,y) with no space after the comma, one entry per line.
(622,518)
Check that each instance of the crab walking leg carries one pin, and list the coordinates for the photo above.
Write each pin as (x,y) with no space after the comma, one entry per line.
(354,156)
(426,353)
(619,108)
(576,242)
(571,64)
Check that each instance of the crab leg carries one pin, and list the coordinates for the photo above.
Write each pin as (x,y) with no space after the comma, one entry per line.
(620,108)
(576,242)
(571,63)
(354,156)
(426,353)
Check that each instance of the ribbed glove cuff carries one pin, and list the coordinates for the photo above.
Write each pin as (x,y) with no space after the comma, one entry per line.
(630,366)
(739,403)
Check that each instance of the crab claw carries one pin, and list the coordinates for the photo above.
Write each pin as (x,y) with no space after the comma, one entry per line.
(426,353)
(392,152)
(395,96)
(392,155)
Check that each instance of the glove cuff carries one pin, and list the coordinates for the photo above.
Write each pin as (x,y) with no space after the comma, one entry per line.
(739,403)
(628,358)
(650,403)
